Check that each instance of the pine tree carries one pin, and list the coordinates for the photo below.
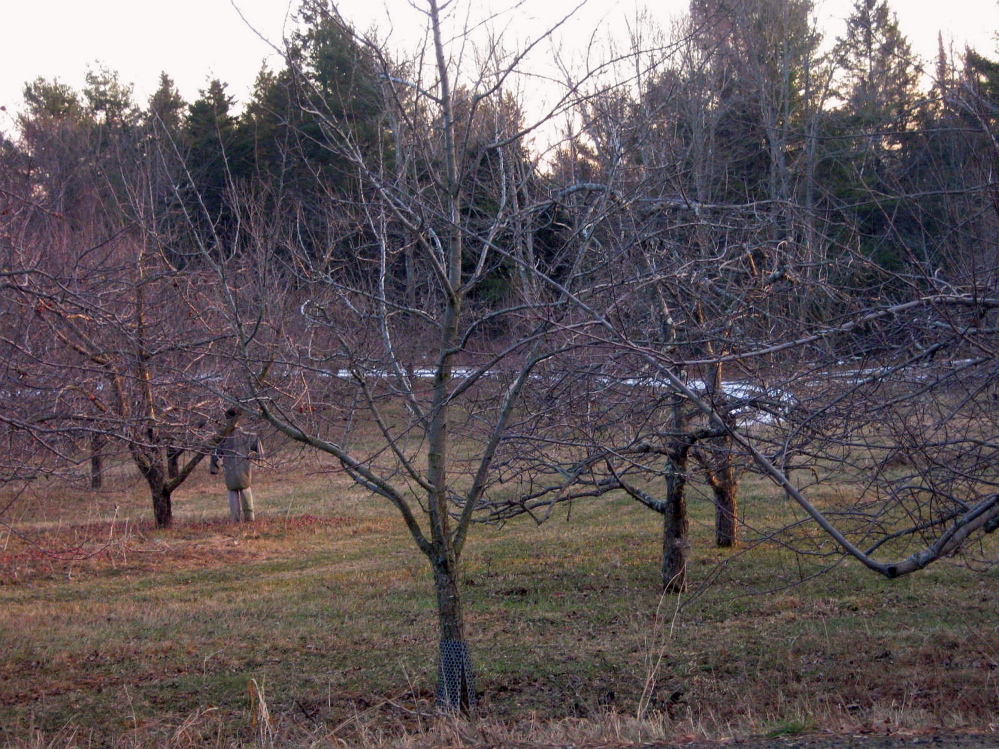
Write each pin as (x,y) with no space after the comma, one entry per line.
(218,159)
(877,84)
(164,143)
(878,72)
(166,107)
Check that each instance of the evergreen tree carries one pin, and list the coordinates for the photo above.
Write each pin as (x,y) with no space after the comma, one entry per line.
(166,108)
(218,159)
(878,81)
(45,98)
(949,160)
(982,76)
(310,124)
(109,100)
(165,148)
(878,73)
(117,138)
(57,134)
(342,78)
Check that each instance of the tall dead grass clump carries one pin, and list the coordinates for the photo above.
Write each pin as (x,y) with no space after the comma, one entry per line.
(445,731)
(657,642)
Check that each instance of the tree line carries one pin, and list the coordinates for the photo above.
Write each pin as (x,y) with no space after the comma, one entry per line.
(748,251)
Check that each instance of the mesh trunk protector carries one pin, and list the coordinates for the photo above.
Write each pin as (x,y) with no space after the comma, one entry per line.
(455,680)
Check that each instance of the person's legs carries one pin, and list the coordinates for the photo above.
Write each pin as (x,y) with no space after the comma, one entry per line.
(247,500)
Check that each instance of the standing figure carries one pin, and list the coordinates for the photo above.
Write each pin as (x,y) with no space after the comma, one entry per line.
(234,452)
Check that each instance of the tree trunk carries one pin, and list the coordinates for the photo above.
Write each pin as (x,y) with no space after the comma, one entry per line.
(720,471)
(726,514)
(455,678)
(154,474)
(96,460)
(162,506)
(676,543)
(724,481)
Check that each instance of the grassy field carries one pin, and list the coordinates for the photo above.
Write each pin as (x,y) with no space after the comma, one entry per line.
(316,626)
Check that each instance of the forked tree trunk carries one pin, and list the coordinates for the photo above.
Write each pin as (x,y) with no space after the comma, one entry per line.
(721,473)
(155,476)
(173,461)
(723,479)
(455,677)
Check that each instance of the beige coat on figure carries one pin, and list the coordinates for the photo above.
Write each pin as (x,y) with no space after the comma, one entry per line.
(234,453)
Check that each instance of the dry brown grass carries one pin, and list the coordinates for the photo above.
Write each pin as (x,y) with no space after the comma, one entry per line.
(315,626)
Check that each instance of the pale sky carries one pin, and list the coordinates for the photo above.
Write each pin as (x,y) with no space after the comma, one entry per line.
(195,40)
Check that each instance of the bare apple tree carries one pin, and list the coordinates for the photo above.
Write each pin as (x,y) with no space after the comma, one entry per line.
(105,340)
(426,293)
(821,339)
